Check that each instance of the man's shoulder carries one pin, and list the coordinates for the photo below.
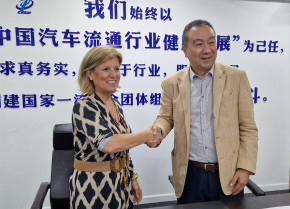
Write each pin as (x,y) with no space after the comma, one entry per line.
(175,77)
(229,70)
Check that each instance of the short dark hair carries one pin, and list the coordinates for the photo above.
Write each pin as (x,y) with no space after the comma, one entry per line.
(194,23)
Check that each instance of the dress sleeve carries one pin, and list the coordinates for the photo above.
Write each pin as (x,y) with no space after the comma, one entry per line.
(89,124)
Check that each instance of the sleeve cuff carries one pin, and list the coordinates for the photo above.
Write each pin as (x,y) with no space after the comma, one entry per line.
(103,143)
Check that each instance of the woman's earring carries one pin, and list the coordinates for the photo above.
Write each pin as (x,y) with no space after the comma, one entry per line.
(91,78)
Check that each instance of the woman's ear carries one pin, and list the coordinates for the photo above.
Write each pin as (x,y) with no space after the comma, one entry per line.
(89,74)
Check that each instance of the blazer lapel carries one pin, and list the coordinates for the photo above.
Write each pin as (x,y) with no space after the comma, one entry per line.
(184,91)
(218,88)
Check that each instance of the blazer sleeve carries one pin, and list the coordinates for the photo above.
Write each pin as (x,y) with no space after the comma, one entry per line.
(164,118)
(248,131)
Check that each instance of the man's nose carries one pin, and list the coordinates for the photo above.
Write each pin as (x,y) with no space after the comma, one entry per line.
(206,49)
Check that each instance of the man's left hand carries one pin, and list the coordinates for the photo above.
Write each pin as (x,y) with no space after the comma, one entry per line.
(239,181)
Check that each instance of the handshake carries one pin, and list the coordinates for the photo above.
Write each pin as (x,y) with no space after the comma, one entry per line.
(154,136)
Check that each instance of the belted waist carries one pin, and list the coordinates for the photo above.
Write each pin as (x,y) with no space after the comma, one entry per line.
(212,167)
(115,165)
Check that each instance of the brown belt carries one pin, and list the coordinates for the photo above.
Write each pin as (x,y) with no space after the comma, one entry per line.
(213,167)
(115,165)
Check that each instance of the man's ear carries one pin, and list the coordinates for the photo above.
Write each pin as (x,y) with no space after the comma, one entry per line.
(184,50)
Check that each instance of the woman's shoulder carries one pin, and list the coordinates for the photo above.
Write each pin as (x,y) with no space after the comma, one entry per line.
(117,102)
(86,101)
(83,100)
(118,105)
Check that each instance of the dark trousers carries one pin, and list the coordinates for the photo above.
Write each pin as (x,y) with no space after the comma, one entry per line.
(203,186)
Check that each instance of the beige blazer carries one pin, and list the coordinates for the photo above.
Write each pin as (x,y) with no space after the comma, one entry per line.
(236,134)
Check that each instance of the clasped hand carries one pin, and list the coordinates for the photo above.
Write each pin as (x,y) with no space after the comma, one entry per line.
(154,136)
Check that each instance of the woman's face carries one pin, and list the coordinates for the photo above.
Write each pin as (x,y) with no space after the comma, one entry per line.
(106,76)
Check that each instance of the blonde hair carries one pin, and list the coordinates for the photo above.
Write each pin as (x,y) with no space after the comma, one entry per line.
(93,58)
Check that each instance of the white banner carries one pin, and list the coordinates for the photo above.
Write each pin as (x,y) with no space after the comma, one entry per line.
(41,47)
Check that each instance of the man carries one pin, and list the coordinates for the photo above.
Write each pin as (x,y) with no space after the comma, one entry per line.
(210,107)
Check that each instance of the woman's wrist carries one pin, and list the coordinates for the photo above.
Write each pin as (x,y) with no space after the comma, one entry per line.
(135,177)
(146,136)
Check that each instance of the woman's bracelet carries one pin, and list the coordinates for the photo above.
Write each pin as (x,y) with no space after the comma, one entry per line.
(135,177)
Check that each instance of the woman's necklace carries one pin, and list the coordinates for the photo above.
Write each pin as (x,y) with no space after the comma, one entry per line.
(125,153)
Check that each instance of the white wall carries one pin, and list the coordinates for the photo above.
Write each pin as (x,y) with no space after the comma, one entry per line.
(26,133)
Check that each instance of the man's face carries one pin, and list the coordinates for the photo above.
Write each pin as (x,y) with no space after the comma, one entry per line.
(201,49)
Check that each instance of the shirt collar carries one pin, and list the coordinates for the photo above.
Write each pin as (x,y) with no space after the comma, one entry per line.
(193,75)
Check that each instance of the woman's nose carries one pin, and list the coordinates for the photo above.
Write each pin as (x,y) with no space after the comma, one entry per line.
(112,72)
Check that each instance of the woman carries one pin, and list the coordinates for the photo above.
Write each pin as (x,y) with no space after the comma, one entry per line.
(103,175)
